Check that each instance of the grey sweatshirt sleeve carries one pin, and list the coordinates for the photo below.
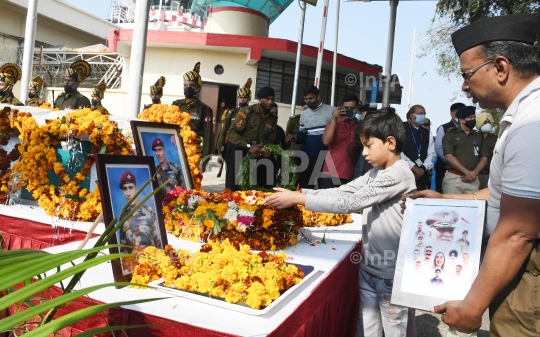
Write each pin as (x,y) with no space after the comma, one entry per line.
(359,194)
(346,189)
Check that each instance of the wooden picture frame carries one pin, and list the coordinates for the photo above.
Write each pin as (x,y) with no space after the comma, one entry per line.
(168,136)
(119,178)
(439,251)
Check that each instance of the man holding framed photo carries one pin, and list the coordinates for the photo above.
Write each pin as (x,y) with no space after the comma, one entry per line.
(501,70)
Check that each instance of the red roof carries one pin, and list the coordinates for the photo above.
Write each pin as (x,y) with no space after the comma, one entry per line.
(256,44)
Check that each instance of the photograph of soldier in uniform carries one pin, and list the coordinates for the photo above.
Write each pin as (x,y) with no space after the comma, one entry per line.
(163,142)
(434,266)
(141,229)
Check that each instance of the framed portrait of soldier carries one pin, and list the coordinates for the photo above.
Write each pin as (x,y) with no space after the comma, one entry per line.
(439,251)
(119,180)
(163,143)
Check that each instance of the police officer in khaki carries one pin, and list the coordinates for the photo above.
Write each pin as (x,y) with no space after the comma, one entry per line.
(224,147)
(484,124)
(252,126)
(166,170)
(98,93)
(466,154)
(71,98)
(156,92)
(201,114)
(34,88)
(10,73)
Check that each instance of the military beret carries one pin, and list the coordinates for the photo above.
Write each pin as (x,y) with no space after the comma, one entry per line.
(466,111)
(465,232)
(517,27)
(265,92)
(157,142)
(420,237)
(127,178)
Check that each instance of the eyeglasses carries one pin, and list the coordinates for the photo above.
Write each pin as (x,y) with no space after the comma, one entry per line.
(465,75)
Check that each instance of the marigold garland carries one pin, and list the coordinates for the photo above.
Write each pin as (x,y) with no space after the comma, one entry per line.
(6,158)
(38,155)
(316,219)
(163,113)
(225,270)
(48,106)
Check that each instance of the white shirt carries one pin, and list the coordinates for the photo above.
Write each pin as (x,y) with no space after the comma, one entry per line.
(428,163)
(515,165)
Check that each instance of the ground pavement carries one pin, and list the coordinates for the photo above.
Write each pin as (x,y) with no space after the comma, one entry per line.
(427,324)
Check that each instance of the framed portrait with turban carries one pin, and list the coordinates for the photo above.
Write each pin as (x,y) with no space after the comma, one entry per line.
(120,178)
(439,251)
(163,143)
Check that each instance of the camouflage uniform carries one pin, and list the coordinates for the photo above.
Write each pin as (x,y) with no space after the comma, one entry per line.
(35,102)
(73,101)
(10,100)
(145,219)
(172,172)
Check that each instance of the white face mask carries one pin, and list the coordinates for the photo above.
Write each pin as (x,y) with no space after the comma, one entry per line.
(486,128)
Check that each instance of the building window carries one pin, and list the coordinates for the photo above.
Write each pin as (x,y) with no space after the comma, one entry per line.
(280,75)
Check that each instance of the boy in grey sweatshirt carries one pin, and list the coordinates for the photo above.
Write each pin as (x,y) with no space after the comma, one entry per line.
(378,193)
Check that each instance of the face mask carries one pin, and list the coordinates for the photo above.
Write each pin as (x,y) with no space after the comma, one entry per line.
(486,128)
(267,107)
(156,100)
(312,105)
(30,95)
(457,120)
(94,102)
(470,124)
(358,116)
(222,105)
(189,92)
(242,104)
(69,89)
(420,119)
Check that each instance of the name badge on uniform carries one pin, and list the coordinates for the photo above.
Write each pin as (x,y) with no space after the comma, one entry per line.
(475,149)
(457,139)
(252,125)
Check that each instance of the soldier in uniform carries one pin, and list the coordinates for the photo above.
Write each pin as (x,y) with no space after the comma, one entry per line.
(483,123)
(34,89)
(97,95)
(224,147)
(71,98)
(201,114)
(293,125)
(143,223)
(166,170)
(466,154)
(10,73)
(254,125)
(156,92)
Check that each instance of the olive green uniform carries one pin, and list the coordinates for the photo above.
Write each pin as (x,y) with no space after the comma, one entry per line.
(100,107)
(490,141)
(293,125)
(73,101)
(468,150)
(226,124)
(200,123)
(35,102)
(249,127)
(10,100)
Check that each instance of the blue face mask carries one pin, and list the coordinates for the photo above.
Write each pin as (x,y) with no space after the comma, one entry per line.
(420,119)
(358,116)
(457,120)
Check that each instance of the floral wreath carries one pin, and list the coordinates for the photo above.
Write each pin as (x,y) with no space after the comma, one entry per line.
(162,113)
(6,158)
(38,155)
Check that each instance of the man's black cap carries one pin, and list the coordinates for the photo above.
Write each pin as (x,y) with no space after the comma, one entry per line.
(466,111)
(517,27)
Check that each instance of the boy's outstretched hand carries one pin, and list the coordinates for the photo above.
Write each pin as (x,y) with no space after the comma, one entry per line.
(284,198)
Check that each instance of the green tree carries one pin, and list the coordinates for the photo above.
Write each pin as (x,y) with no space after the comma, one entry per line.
(450,15)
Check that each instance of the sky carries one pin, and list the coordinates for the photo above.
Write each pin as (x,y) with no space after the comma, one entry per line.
(363,35)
